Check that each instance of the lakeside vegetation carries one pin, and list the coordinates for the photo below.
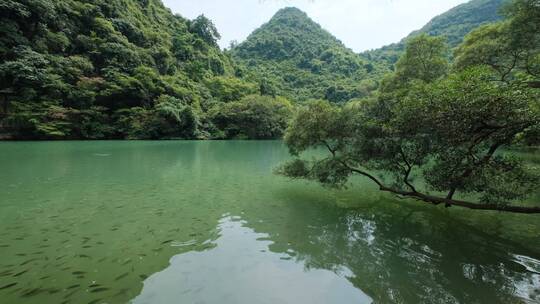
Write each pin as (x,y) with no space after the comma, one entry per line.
(438,122)
(122,69)
(141,163)
(127,69)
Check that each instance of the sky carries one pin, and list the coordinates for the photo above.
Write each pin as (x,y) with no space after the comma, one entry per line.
(360,24)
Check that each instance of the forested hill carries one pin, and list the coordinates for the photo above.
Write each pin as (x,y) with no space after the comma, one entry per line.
(130,69)
(110,69)
(454,24)
(301,60)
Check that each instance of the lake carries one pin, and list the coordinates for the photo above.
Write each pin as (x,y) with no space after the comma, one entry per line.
(208,222)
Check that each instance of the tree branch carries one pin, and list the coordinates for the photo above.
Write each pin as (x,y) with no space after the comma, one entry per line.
(408,171)
(451,202)
(435,200)
(470,170)
(364,173)
(333,151)
(476,206)
(504,74)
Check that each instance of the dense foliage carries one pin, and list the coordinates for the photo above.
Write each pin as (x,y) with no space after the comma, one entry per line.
(454,25)
(303,61)
(254,117)
(110,69)
(130,69)
(509,48)
(435,133)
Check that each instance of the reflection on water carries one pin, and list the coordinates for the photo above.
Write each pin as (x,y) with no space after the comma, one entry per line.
(411,257)
(113,222)
(240,269)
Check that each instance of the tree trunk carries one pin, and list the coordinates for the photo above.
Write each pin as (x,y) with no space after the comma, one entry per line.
(451,202)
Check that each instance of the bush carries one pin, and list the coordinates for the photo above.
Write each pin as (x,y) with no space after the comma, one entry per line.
(253,117)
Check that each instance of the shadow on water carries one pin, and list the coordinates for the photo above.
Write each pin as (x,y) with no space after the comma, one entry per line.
(239,269)
(407,254)
(391,254)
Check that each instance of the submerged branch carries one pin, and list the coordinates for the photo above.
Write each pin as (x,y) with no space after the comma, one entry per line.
(447,201)
(435,200)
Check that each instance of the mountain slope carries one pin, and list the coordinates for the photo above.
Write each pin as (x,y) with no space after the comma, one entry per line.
(301,60)
(132,69)
(105,69)
(454,24)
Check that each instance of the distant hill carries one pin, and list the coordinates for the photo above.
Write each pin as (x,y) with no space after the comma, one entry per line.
(302,60)
(454,24)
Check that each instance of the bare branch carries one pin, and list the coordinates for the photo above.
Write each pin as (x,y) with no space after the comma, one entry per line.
(408,171)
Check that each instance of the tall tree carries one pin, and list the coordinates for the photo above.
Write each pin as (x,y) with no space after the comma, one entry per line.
(511,47)
(205,29)
(424,60)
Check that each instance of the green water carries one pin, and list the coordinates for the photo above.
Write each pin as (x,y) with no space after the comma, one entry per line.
(208,222)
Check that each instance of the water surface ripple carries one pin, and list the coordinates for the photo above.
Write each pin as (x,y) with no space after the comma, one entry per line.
(208,222)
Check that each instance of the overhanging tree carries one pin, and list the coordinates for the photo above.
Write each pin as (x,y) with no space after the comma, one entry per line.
(436,139)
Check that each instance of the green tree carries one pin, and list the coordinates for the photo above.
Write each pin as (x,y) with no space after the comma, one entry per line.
(170,118)
(229,89)
(253,117)
(205,29)
(432,138)
(424,60)
(445,135)
(267,88)
(510,47)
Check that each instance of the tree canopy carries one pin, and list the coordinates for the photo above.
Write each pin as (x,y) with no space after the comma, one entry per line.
(510,48)
(72,69)
(111,69)
(452,25)
(254,116)
(433,136)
